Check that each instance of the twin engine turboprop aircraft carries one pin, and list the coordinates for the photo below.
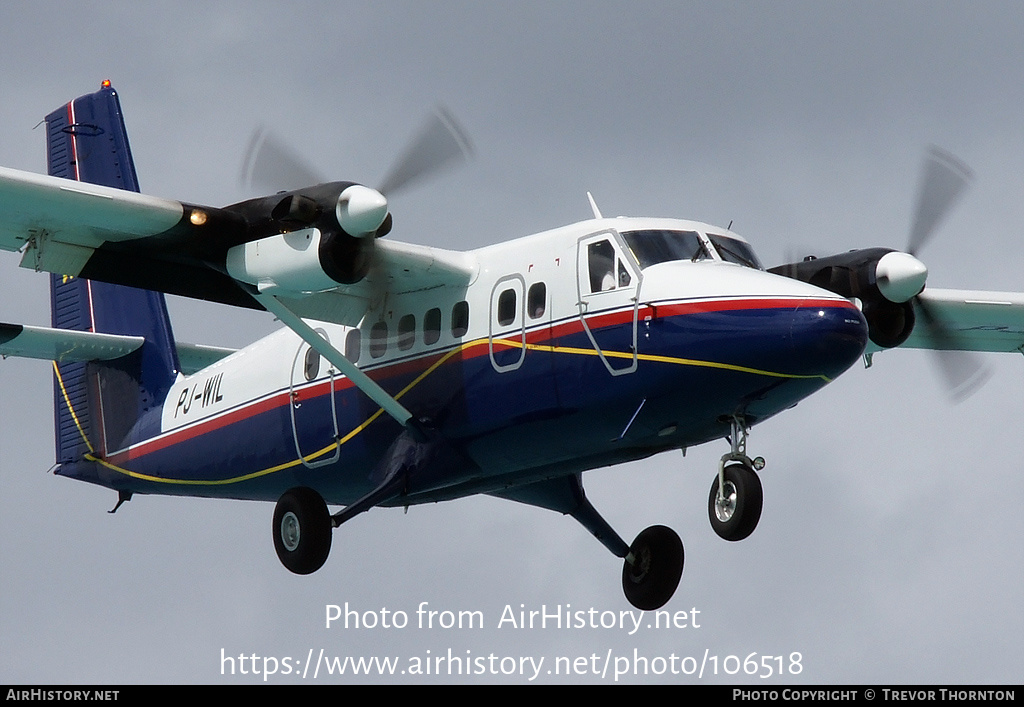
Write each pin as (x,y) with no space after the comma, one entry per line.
(408,374)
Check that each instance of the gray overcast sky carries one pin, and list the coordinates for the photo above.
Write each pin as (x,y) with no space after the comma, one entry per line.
(889,550)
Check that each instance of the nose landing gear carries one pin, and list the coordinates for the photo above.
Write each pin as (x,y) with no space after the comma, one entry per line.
(734,505)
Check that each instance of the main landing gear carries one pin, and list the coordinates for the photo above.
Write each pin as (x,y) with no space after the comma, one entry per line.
(734,505)
(653,567)
(303,525)
(302,530)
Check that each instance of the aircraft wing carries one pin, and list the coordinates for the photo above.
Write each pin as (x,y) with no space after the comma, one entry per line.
(118,236)
(126,238)
(976,320)
(81,214)
(397,268)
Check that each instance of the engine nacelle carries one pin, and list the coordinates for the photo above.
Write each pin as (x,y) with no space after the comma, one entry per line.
(308,240)
(889,323)
(884,280)
(304,260)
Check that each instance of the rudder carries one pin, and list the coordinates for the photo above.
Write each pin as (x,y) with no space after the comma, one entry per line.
(100,407)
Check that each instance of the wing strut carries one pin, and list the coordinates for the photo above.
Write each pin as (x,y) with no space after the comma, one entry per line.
(337,359)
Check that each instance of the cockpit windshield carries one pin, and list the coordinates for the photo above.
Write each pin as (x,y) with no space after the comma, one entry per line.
(657,246)
(733,250)
(654,246)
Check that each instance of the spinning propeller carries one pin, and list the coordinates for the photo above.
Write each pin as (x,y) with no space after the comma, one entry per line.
(361,211)
(889,283)
(318,234)
(944,179)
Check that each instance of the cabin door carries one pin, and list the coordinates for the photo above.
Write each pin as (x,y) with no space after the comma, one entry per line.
(507,327)
(313,408)
(608,283)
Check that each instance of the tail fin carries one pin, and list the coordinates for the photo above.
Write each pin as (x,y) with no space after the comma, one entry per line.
(101,406)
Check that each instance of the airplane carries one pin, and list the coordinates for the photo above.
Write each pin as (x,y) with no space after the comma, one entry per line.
(408,374)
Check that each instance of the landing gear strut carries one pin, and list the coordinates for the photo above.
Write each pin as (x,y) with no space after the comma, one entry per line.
(652,568)
(653,564)
(734,505)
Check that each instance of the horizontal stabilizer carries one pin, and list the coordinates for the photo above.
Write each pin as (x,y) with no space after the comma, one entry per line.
(64,344)
(68,345)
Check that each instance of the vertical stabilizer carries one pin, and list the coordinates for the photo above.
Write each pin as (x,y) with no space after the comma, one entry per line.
(101,406)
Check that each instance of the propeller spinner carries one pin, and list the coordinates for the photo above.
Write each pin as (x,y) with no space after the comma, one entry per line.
(361,211)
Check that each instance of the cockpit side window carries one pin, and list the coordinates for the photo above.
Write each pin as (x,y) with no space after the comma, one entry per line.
(601,264)
(659,246)
(623,278)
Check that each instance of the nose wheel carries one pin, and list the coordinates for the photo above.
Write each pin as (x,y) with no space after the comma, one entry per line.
(735,511)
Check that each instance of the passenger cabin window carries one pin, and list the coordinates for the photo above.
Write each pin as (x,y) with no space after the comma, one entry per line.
(353,342)
(406,332)
(536,300)
(379,339)
(507,307)
(659,246)
(460,319)
(311,364)
(432,326)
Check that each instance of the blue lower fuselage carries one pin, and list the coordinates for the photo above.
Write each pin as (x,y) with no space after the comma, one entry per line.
(572,397)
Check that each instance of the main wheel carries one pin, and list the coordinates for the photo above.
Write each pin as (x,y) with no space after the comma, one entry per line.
(735,516)
(302,530)
(652,578)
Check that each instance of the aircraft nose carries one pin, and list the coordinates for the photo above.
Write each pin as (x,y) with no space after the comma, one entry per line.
(827,337)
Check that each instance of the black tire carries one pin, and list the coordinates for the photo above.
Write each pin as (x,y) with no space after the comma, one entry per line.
(302,530)
(657,567)
(736,519)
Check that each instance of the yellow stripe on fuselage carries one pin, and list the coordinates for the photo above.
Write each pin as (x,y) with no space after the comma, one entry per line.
(653,358)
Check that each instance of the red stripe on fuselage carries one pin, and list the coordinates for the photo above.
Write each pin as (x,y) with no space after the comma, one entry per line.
(663,311)
(74,140)
(272,401)
(474,349)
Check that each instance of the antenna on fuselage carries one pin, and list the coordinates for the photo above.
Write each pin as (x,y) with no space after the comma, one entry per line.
(593,206)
